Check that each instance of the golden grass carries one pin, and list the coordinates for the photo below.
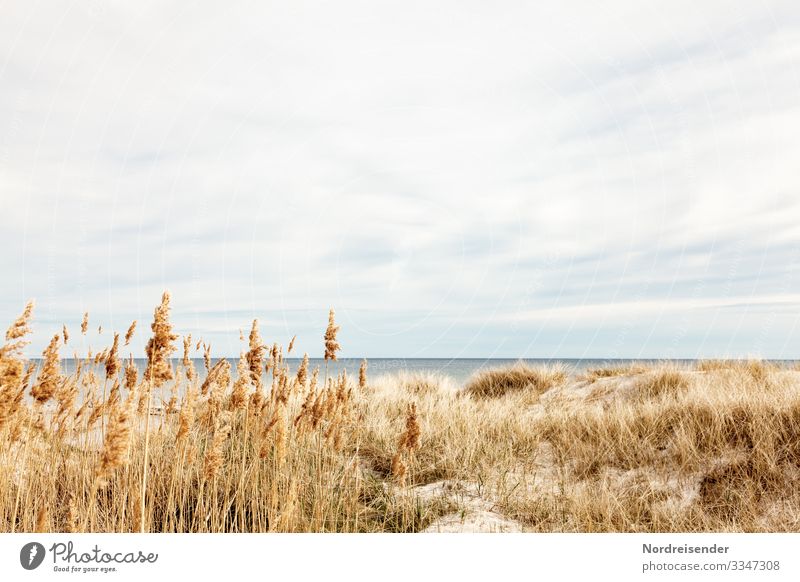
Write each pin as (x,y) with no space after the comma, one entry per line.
(664,381)
(661,449)
(415,383)
(759,370)
(496,382)
(594,374)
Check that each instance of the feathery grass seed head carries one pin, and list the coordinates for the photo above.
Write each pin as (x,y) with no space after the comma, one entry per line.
(331,345)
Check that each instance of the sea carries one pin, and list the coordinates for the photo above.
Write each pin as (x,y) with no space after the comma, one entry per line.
(459,369)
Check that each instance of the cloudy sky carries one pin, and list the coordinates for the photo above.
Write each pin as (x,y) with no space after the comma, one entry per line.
(458,179)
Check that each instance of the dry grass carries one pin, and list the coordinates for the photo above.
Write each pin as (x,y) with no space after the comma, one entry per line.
(263,451)
(416,383)
(594,374)
(496,382)
(759,370)
(662,382)
(258,449)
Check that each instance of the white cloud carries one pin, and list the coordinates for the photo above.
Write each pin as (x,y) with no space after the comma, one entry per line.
(433,171)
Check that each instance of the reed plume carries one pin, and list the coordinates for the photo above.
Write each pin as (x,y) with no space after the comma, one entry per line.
(85,323)
(130,332)
(302,371)
(12,365)
(291,345)
(65,333)
(66,395)
(207,357)
(11,396)
(160,345)
(158,370)
(215,375)
(112,359)
(188,364)
(215,385)
(21,326)
(409,440)
(362,374)
(26,377)
(239,392)
(398,468)
(255,355)
(306,407)
(98,408)
(50,376)
(406,445)
(187,347)
(117,440)
(131,375)
(331,345)
(101,356)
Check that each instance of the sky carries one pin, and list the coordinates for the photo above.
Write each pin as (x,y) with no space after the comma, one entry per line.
(456,179)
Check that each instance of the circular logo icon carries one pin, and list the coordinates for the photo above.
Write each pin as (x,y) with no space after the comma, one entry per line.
(31,555)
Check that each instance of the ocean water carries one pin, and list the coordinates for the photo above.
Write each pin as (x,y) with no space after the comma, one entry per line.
(459,369)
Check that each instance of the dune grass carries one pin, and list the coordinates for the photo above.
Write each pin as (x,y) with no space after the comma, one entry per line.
(594,374)
(255,449)
(496,382)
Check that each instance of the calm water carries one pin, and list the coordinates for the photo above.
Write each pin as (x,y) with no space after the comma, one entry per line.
(459,369)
